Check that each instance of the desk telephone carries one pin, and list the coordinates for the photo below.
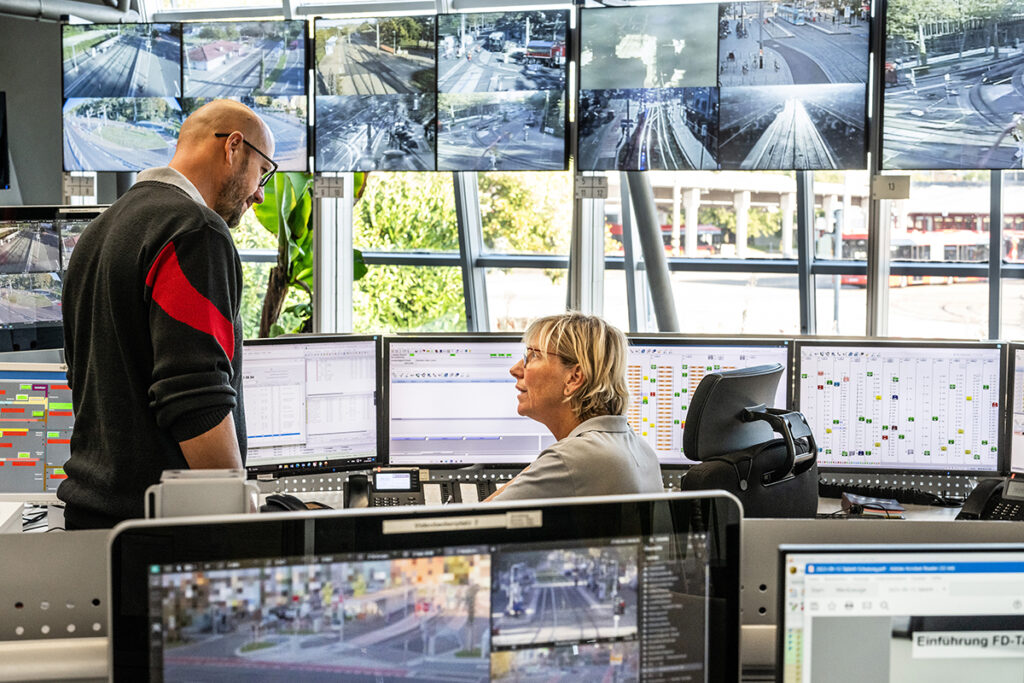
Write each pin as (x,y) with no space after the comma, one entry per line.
(392,487)
(998,499)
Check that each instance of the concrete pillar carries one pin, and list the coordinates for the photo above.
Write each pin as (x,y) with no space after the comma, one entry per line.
(675,215)
(691,204)
(741,201)
(787,201)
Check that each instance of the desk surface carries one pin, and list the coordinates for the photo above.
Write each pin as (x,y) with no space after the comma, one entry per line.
(931,513)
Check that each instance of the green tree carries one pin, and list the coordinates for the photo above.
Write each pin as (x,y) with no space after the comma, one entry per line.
(907,18)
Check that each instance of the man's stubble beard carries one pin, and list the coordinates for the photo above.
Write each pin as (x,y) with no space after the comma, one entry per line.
(231,200)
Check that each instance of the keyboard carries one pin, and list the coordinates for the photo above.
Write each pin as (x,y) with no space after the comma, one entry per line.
(902,494)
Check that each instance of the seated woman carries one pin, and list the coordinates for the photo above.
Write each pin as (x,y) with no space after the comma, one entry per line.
(572,379)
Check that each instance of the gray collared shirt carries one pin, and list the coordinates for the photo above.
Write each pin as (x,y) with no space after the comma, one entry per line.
(169,176)
(602,456)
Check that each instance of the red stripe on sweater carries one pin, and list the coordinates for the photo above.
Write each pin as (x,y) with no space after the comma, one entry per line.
(179,299)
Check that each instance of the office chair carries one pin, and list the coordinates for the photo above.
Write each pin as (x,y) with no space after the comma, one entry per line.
(732,434)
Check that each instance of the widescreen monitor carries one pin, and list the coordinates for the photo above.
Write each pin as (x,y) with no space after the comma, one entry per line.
(736,85)
(502,84)
(663,372)
(916,407)
(914,613)
(617,588)
(35,244)
(1015,409)
(450,401)
(259,63)
(36,421)
(376,81)
(311,404)
(121,60)
(950,91)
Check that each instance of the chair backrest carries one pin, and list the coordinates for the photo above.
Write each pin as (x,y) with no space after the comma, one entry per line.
(731,431)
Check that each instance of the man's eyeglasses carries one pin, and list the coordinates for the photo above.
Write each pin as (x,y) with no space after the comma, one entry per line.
(265,178)
(532,354)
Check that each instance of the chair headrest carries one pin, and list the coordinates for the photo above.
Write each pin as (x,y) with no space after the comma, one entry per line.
(714,421)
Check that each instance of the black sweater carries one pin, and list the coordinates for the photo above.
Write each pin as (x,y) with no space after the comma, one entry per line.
(153,342)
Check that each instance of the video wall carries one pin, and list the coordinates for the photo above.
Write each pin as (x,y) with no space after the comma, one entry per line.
(128,87)
(752,85)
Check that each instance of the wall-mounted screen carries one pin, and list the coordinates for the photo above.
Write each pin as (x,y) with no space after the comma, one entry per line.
(952,93)
(121,60)
(120,134)
(793,87)
(647,95)
(740,85)
(375,94)
(259,63)
(501,86)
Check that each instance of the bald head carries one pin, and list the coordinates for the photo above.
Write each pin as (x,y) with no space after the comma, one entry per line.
(217,152)
(222,116)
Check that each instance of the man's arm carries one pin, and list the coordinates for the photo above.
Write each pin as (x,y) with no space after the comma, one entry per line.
(214,449)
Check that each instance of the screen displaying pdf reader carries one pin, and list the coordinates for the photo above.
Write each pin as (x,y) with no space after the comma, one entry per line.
(916,614)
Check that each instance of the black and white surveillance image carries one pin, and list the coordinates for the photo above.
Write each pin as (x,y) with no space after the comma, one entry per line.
(286,117)
(120,134)
(375,132)
(804,127)
(648,47)
(121,60)
(953,95)
(503,131)
(567,595)
(244,59)
(498,52)
(375,56)
(648,129)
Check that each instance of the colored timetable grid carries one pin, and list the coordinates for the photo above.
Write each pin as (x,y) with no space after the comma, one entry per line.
(662,378)
(903,407)
(36,421)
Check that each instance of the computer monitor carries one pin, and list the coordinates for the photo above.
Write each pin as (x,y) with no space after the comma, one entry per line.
(450,401)
(36,421)
(37,242)
(5,169)
(916,613)
(311,404)
(620,588)
(1015,408)
(915,407)
(121,60)
(663,373)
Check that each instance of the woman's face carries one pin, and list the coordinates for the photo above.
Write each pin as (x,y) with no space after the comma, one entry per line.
(542,379)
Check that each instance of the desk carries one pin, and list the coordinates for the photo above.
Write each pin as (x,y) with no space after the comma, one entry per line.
(930,513)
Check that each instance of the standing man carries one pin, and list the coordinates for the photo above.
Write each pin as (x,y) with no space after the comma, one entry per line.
(152,325)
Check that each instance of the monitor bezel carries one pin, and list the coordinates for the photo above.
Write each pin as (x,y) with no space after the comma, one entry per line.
(786,549)
(469,337)
(1008,391)
(1001,447)
(273,471)
(135,546)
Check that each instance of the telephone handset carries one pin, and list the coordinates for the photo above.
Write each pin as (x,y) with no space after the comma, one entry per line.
(998,499)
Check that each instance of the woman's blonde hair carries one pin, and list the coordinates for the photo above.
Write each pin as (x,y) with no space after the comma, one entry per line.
(600,351)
